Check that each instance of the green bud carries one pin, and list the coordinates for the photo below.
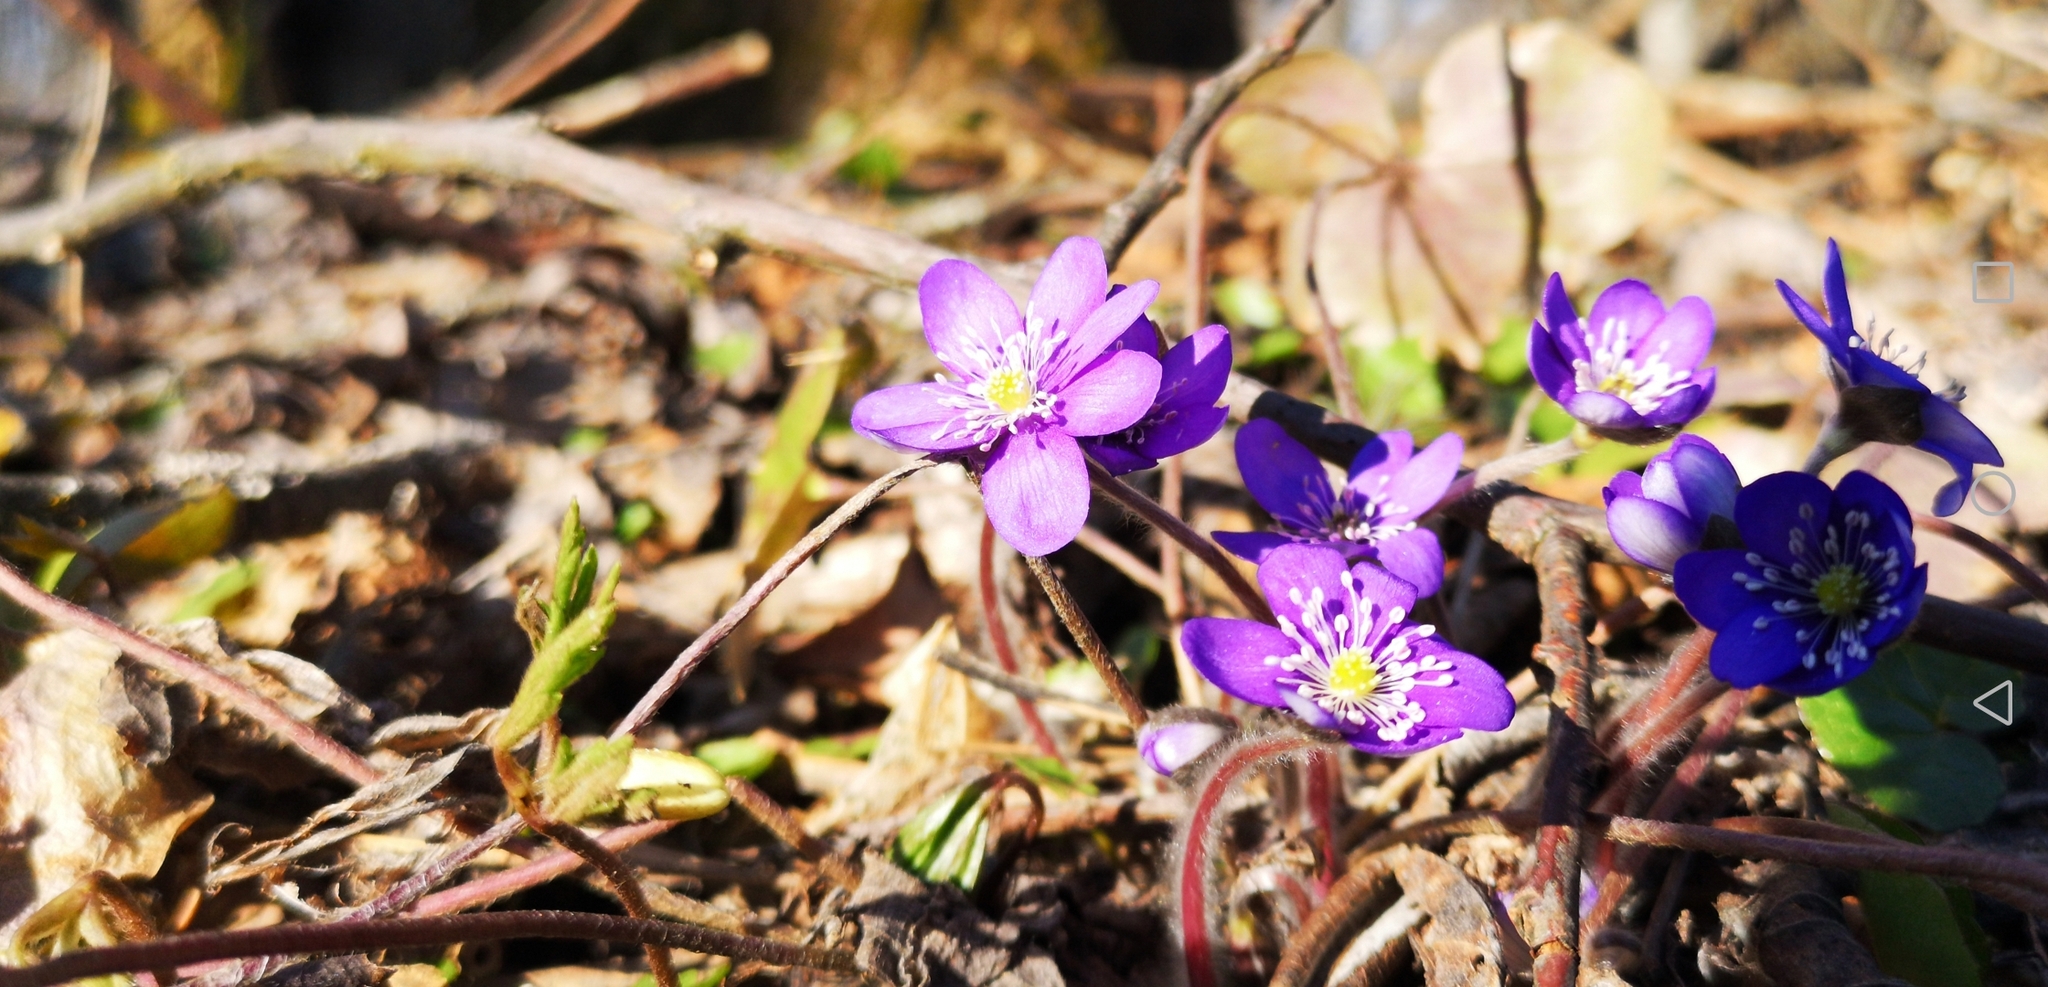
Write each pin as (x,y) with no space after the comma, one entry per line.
(671,785)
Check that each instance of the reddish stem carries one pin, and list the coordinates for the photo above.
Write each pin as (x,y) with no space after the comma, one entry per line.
(1321,766)
(2025,577)
(1552,915)
(1196,947)
(999,640)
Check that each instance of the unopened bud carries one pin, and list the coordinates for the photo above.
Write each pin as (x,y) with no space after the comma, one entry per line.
(671,785)
(1174,738)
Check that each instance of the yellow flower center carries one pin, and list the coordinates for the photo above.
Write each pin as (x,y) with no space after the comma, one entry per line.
(1619,384)
(1010,391)
(1839,591)
(1353,675)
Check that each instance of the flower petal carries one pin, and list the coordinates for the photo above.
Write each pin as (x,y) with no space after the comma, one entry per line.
(1695,477)
(1095,335)
(965,313)
(1188,410)
(1416,557)
(1384,590)
(1421,483)
(1419,739)
(1891,523)
(1947,428)
(1559,313)
(1624,484)
(1292,571)
(1232,654)
(1910,595)
(1035,490)
(1476,699)
(1116,456)
(1382,456)
(1283,476)
(1109,396)
(1682,338)
(1651,533)
(911,416)
(1769,510)
(1705,583)
(1834,286)
(1686,403)
(1822,677)
(1251,546)
(1070,287)
(1602,410)
(1550,366)
(1759,645)
(1628,308)
(1869,369)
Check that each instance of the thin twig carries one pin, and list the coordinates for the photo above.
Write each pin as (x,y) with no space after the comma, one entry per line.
(415,885)
(695,654)
(1999,638)
(2021,574)
(555,36)
(1089,642)
(322,749)
(1028,691)
(135,65)
(1328,333)
(1173,527)
(381,934)
(774,818)
(1552,912)
(996,627)
(742,56)
(1124,218)
(538,871)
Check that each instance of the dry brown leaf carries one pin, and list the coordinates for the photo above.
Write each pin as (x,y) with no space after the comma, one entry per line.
(70,783)
(1318,120)
(841,582)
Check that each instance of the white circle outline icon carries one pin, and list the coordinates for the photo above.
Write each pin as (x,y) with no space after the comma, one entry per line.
(2012,492)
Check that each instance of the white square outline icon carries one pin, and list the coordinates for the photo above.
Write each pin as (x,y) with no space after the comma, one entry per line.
(1975,281)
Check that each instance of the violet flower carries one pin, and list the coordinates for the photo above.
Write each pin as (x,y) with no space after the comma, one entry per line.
(1373,517)
(1028,386)
(1662,513)
(1346,658)
(1631,372)
(1882,401)
(1178,736)
(1188,408)
(1827,580)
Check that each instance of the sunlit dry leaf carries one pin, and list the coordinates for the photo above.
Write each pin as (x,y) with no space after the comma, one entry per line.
(68,782)
(843,581)
(1597,135)
(1314,121)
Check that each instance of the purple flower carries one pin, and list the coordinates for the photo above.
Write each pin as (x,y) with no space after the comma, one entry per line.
(1186,411)
(1178,735)
(1346,658)
(1373,517)
(1827,580)
(1882,401)
(1660,514)
(1028,386)
(1631,372)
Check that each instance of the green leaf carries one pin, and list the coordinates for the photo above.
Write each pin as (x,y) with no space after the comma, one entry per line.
(564,658)
(1550,422)
(1397,385)
(859,747)
(728,356)
(877,167)
(1901,734)
(585,439)
(634,521)
(156,539)
(1137,650)
(1274,346)
(1248,303)
(672,785)
(588,782)
(232,582)
(944,842)
(738,757)
(1050,773)
(780,504)
(1916,932)
(1506,361)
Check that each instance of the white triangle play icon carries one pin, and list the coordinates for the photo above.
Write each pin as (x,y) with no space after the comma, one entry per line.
(2004,718)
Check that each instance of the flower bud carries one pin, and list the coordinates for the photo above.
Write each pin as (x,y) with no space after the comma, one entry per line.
(1177,737)
(671,785)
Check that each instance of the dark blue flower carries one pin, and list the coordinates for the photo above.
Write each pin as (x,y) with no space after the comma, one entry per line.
(1827,579)
(1662,513)
(1631,372)
(1188,408)
(1882,401)
(1372,517)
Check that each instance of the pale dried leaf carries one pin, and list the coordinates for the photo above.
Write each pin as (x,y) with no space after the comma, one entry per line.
(1316,120)
(844,580)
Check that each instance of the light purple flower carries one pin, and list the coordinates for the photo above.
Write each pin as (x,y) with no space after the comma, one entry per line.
(1631,372)
(1346,658)
(1662,513)
(1373,517)
(1028,385)
(1188,408)
(1177,736)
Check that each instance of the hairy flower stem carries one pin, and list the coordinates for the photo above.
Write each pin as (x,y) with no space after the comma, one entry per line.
(624,883)
(1173,527)
(699,649)
(381,934)
(1090,642)
(1518,464)
(776,819)
(1197,948)
(1687,663)
(998,634)
(317,746)
(1551,912)
(1321,767)
(2026,578)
